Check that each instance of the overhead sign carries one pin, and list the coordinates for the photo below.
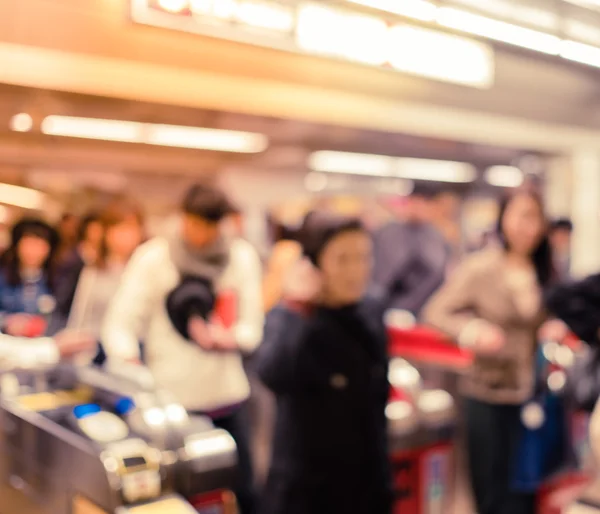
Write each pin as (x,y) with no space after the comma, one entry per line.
(312,28)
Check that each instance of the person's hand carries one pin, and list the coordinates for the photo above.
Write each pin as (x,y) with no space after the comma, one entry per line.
(211,336)
(199,332)
(72,342)
(303,283)
(16,324)
(223,338)
(553,330)
(24,325)
(490,339)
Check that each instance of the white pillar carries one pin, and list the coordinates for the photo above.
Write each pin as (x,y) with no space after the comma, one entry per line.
(585,212)
(558,184)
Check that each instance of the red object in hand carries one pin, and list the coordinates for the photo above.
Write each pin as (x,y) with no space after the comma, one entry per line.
(226,308)
(25,325)
(36,327)
(426,345)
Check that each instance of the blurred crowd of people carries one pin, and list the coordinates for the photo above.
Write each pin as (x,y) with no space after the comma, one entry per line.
(191,305)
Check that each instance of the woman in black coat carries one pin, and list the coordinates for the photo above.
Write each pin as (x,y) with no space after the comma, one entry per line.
(324,357)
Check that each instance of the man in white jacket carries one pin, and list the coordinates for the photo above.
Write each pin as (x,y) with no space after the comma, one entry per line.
(205,370)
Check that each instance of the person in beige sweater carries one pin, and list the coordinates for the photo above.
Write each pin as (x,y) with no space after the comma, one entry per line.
(493,304)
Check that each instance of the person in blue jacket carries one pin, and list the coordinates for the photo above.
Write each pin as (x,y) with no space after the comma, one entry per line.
(324,357)
(27,279)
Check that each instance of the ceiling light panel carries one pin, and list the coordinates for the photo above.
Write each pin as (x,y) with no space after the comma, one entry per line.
(441,56)
(352,163)
(415,9)
(393,167)
(434,170)
(23,197)
(581,53)
(498,30)
(155,134)
(206,139)
(93,128)
(504,176)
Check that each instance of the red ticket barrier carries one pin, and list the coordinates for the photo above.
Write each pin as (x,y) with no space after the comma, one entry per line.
(423,480)
(218,502)
(423,489)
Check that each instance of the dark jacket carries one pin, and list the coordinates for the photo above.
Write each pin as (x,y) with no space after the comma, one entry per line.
(329,375)
(68,277)
(578,305)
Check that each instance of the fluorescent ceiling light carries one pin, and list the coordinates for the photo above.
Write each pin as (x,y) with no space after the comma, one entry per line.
(416,9)
(352,163)
(590,4)
(498,30)
(499,8)
(578,52)
(155,134)
(504,176)
(21,197)
(433,170)
(385,166)
(173,6)
(205,139)
(93,128)
(369,40)
(351,36)
(266,16)
(21,122)
(441,56)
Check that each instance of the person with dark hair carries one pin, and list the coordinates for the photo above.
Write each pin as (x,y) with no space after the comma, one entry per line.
(195,298)
(122,225)
(324,357)
(89,238)
(493,305)
(27,278)
(561,231)
(85,253)
(411,256)
(68,229)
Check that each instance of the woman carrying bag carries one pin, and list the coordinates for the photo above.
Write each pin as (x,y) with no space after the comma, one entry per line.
(492,304)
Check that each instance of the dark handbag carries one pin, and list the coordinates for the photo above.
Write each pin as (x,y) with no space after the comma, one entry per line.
(194,296)
(542,450)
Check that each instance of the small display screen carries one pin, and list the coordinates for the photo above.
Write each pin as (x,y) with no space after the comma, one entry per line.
(132,462)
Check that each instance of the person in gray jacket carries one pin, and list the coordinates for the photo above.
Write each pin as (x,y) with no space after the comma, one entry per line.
(411,257)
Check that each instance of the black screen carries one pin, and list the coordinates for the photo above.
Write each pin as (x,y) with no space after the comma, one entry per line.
(131,462)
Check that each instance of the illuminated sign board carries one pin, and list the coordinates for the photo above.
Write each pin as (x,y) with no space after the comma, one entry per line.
(316,29)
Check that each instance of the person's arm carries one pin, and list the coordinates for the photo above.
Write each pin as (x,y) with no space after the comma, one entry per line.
(24,352)
(284,361)
(131,305)
(284,255)
(248,329)
(451,309)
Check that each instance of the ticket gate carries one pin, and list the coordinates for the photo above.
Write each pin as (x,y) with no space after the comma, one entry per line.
(422,424)
(78,440)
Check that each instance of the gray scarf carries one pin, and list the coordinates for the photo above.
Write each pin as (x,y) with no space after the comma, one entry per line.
(208,262)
